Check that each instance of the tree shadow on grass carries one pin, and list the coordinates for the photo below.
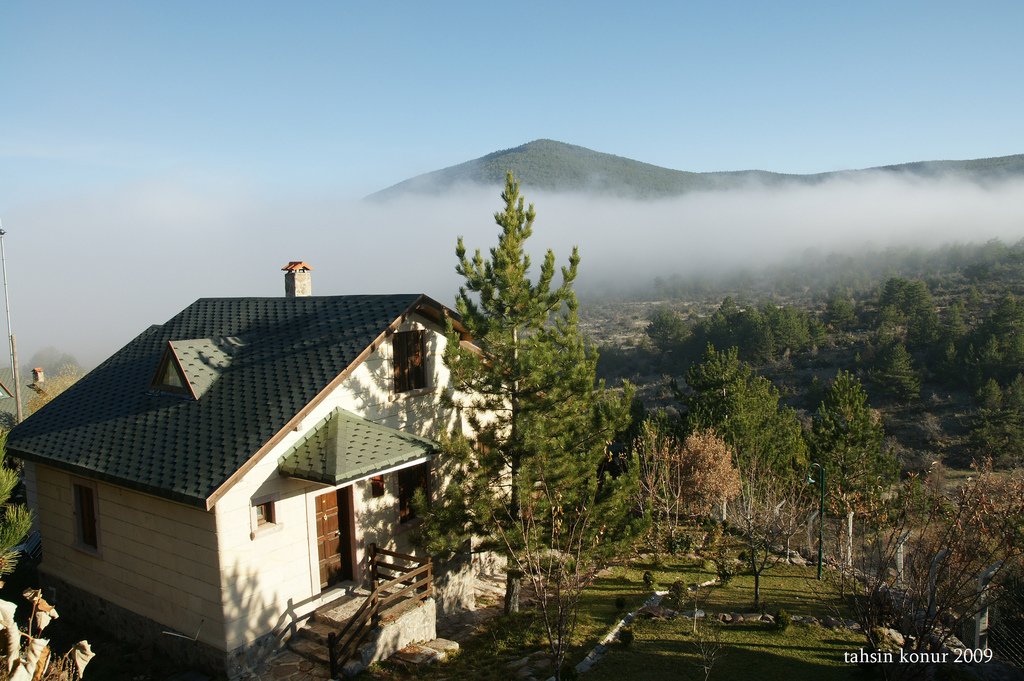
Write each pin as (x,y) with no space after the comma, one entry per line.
(674,658)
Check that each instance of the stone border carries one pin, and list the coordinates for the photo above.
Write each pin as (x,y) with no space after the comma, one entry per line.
(601,648)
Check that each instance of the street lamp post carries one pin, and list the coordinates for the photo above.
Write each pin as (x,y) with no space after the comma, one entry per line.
(10,332)
(821,512)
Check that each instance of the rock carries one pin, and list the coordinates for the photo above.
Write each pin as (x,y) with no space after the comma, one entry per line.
(852,625)
(413,656)
(725,618)
(751,617)
(832,623)
(736,618)
(767,619)
(810,619)
(518,664)
(693,614)
(656,612)
(893,636)
(443,646)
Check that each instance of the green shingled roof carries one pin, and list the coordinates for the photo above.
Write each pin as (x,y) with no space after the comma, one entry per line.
(111,425)
(204,359)
(343,447)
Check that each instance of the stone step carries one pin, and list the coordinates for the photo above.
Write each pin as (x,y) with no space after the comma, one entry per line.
(309,649)
(337,613)
(318,631)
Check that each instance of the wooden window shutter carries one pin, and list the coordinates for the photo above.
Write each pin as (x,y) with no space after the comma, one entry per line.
(86,514)
(410,366)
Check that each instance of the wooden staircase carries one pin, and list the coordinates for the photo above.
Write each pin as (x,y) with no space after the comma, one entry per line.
(396,578)
(336,632)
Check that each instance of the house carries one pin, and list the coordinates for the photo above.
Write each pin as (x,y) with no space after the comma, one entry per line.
(28,390)
(221,476)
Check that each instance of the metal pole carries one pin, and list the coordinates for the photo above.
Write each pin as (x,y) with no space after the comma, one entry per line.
(10,332)
(821,515)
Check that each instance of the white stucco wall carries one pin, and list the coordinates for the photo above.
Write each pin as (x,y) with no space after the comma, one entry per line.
(272,578)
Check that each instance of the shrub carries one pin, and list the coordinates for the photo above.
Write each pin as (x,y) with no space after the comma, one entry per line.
(626,636)
(725,569)
(677,595)
(680,543)
(620,603)
(782,619)
(648,581)
(713,537)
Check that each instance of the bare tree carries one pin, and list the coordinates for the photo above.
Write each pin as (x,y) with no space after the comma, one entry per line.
(679,479)
(763,513)
(551,544)
(919,566)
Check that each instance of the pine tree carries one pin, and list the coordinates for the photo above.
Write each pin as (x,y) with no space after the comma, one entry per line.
(743,408)
(895,375)
(846,439)
(529,392)
(16,521)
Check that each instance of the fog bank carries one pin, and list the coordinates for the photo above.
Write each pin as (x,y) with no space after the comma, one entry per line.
(89,273)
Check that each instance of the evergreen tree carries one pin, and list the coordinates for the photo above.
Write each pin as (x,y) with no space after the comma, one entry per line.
(998,428)
(529,392)
(16,521)
(895,375)
(667,330)
(846,439)
(743,408)
(840,312)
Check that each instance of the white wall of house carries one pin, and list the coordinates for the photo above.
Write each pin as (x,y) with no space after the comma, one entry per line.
(217,572)
(270,576)
(154,557)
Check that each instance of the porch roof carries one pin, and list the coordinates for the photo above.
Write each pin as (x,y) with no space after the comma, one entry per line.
(343,447)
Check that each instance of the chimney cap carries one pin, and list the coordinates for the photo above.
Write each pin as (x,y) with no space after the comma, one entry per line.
(296,266)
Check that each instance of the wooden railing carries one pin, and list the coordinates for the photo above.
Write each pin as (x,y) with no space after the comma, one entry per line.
(391,582)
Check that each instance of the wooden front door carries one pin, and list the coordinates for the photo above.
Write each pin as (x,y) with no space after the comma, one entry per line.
(333,541)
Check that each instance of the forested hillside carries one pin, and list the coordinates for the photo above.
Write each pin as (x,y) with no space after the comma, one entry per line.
(556,166)
(936,338)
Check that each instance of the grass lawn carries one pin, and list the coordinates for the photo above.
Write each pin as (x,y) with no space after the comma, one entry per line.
(664,649)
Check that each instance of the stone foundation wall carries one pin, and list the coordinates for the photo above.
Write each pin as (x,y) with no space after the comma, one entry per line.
(415,625)
(455,585)
(81,606)
(91,610)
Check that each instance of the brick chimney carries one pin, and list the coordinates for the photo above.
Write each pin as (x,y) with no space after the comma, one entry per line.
(297,279)
(37,376)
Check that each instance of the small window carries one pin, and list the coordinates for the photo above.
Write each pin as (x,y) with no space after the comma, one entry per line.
(85,516)
(409,481)
(265,514)
(377,486)
(410,360)
(170,377)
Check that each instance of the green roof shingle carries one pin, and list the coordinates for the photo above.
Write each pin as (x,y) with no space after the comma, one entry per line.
(343,447)
(111,425)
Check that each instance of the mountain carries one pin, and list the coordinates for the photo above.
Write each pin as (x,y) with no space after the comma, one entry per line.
(556,166)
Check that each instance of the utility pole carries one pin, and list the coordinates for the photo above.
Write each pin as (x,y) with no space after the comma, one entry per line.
(16,387)
(821,512)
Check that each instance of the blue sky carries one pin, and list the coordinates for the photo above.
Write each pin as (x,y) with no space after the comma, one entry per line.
(155,152)
(351,97)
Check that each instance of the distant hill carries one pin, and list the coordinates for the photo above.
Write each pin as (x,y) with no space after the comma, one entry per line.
(556,166)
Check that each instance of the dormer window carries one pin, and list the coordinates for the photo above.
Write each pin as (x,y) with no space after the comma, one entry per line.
(192,366)
(410,355)
(170,377)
